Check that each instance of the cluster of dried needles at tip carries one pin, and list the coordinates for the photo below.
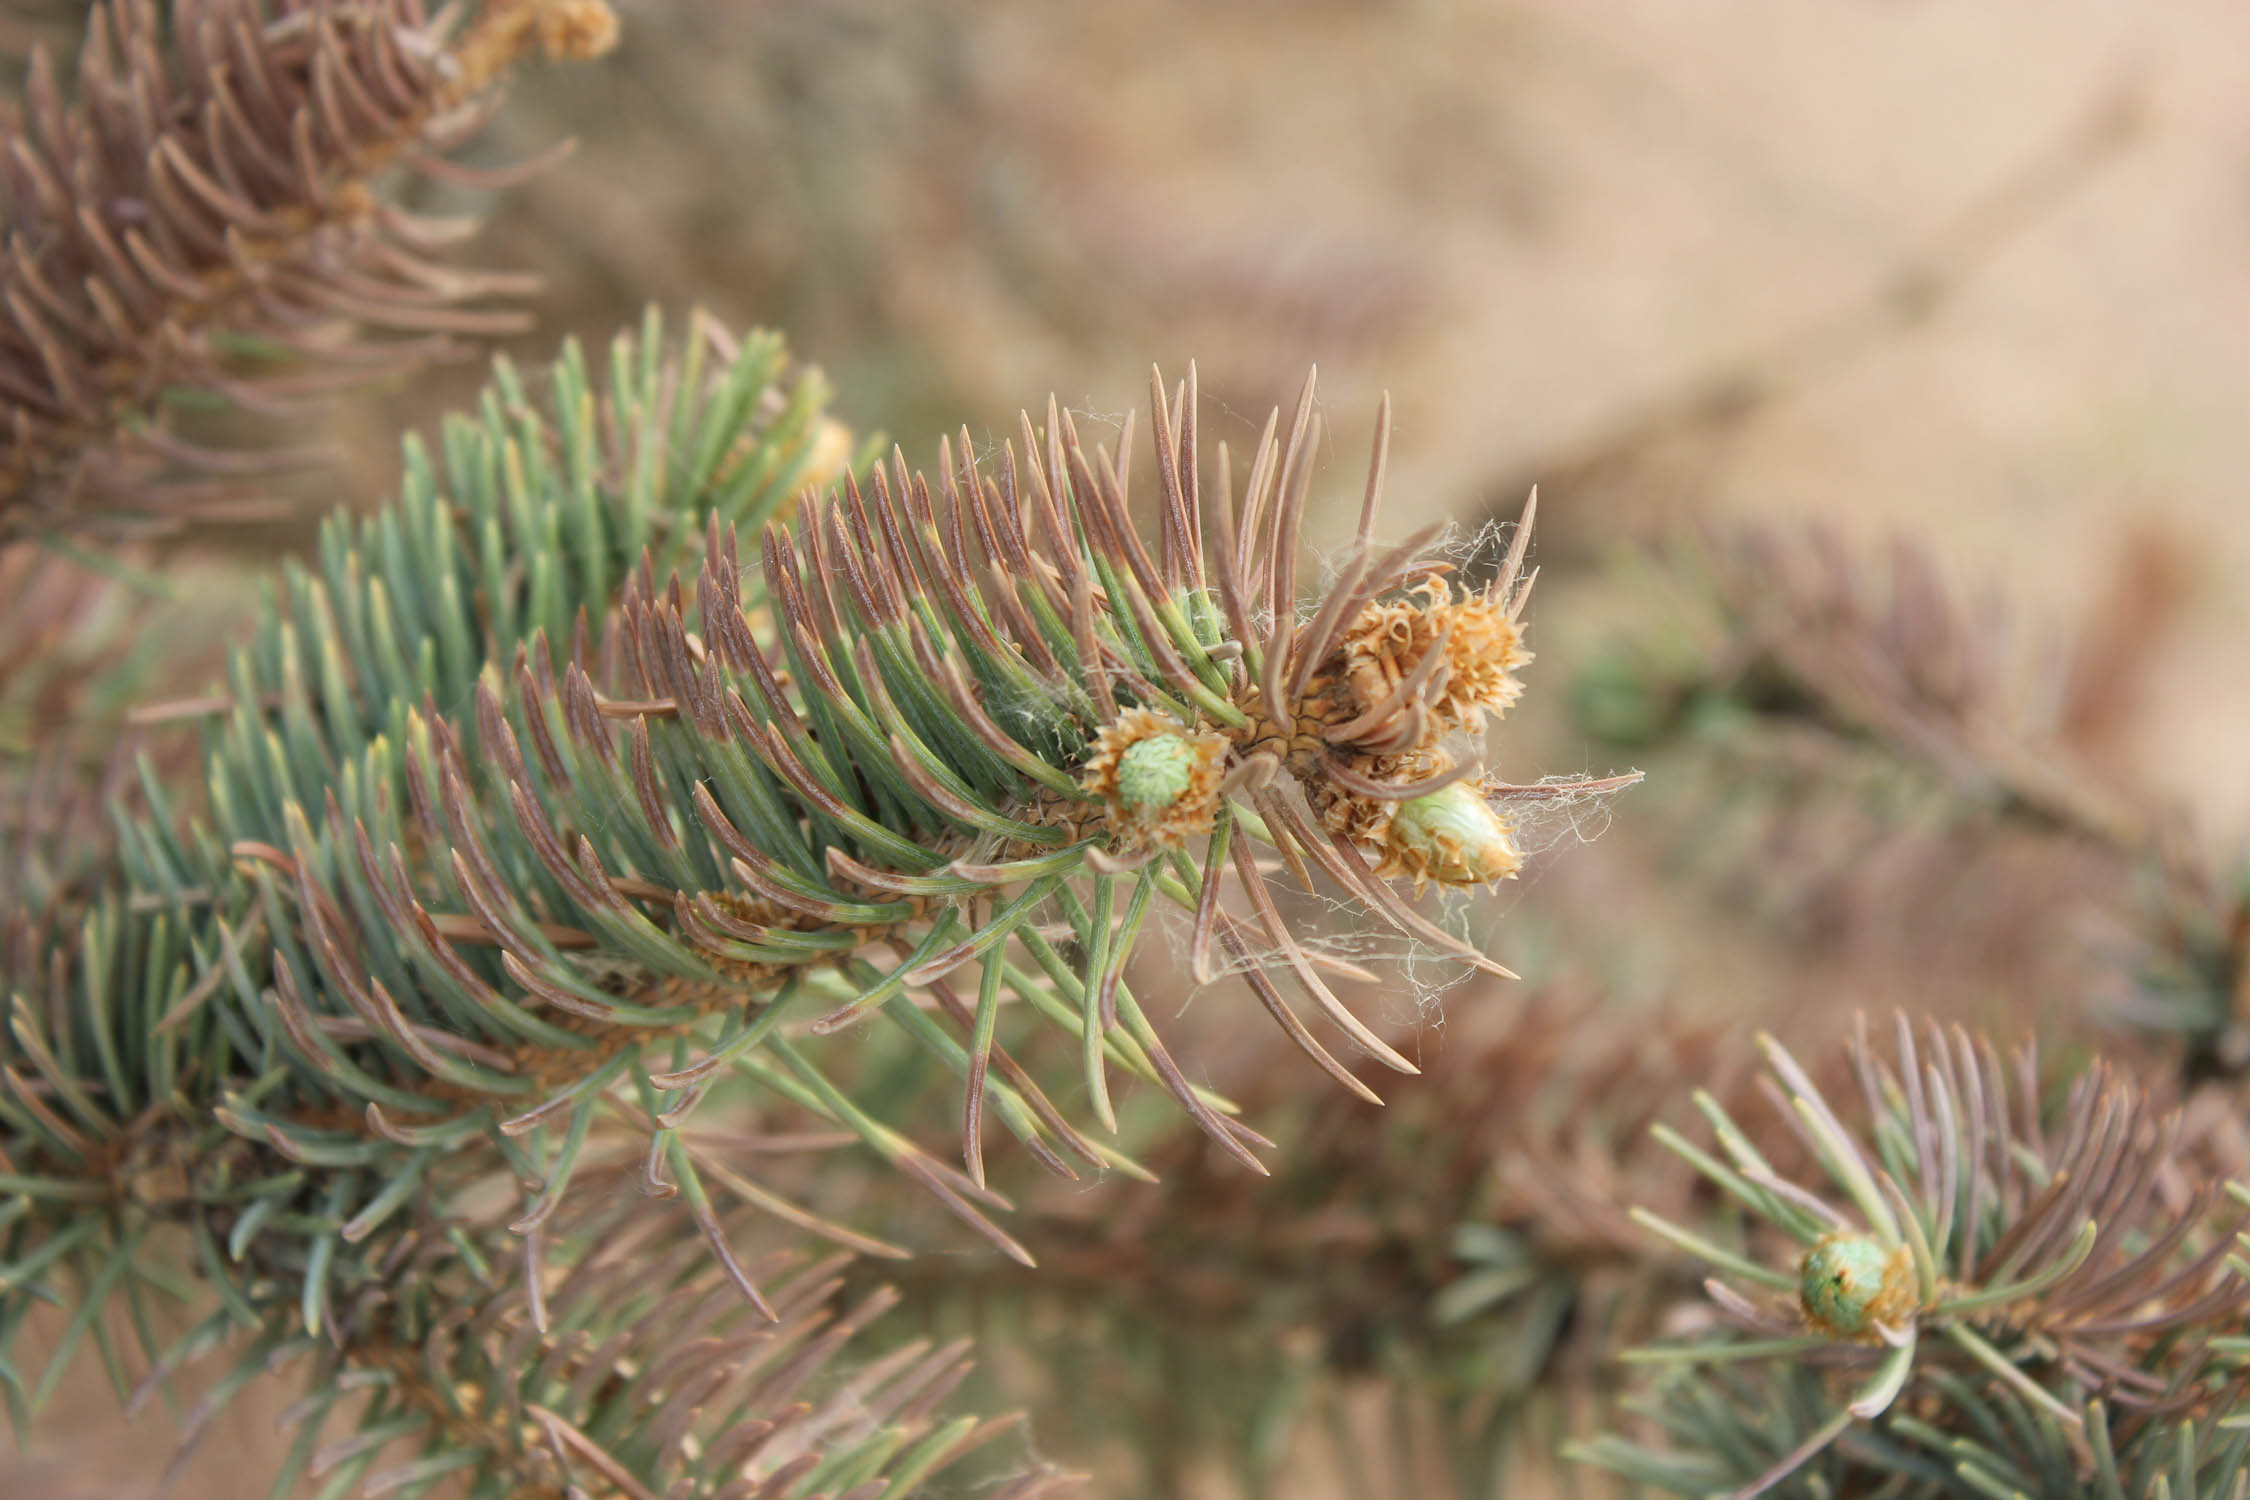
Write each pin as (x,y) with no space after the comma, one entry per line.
(2001,1288)
(200,213)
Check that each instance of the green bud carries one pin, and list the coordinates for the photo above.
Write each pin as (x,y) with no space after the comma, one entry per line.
(1156,772)
(1850,1282)
(1453,836)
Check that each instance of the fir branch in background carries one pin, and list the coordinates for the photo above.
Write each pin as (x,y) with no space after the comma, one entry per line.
(1911,738)
(1987,1288)
(205,212)
(1864,646)
(635,1369)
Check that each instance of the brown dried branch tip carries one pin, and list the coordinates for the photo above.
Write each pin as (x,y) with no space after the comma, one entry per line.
(1410,675)
(201,212)
(1356,727)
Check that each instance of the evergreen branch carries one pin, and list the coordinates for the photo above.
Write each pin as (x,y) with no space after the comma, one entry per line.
(2063,1267)
(204,210)
(458,904)
(630,1369)
(499,908)
(135,1027)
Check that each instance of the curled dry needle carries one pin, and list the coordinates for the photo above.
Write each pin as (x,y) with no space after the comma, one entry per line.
(1971,1246)
(201,204)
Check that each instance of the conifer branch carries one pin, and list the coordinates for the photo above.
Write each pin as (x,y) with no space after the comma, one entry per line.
(123,1053)
(1983,1290)
(685,837)
(206,210)
(462,900)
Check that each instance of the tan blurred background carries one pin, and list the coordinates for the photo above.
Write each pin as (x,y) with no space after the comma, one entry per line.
(1981,270)
(1976,271)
